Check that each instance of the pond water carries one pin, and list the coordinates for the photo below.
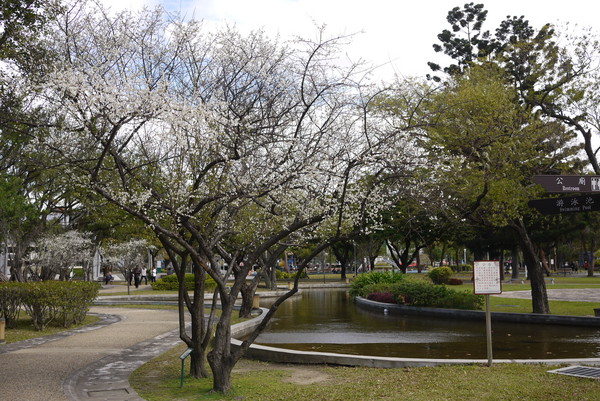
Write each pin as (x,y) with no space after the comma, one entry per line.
(329,321)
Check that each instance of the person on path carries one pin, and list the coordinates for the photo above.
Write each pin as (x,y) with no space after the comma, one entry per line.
(108,278)
(144,276)
(153,275)
(136,276)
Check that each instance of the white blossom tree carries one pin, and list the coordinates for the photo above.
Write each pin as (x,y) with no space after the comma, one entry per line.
(225,145)
(125,256)
(57,254)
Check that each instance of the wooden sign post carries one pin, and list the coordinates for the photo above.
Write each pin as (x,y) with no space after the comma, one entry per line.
(486,281)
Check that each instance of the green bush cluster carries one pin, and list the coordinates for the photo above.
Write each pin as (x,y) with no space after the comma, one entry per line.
(440,275)
(360,282)
(421,293)
(171,283)
(11,298)
(280,275)
(464,267)
(415,292)
(64,302)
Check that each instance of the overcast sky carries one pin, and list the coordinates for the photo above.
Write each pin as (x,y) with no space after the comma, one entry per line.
(397,34)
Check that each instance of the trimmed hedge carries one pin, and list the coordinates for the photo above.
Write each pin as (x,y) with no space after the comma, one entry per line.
(65,302)
(171,283)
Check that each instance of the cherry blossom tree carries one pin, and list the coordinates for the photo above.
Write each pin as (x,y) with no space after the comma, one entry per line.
(57,254)
(225,145)
(125,256)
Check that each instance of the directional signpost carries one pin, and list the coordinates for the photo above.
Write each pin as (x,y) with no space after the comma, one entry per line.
(569,183)
(589,184)
(572,204)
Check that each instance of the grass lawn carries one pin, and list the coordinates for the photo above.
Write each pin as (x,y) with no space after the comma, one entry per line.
(25,329)
(499,304)
(255,381)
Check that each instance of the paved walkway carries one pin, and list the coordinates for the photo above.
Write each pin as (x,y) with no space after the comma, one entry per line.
(581,294)
(93,363)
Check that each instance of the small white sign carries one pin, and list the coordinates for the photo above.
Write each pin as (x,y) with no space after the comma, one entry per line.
(486,277)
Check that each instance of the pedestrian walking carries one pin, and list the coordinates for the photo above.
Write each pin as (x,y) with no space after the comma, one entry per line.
(144,276)
(136,276)
(153,275)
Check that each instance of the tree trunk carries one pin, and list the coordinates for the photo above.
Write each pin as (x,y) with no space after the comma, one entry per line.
(199,327)
(221,369)
(197,366)
(515,263)
(247,292)
(590,272)
(457,259)
(395,255)
(371,262)
(16,268)
(502,265)
(198,355)
(442,255)
(220,358)
(539,297)
(16,274)
(545,264)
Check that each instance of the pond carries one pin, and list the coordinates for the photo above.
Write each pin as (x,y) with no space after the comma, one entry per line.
(327,320)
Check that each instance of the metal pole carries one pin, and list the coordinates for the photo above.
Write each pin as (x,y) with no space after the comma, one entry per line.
(488,329)
(182,369)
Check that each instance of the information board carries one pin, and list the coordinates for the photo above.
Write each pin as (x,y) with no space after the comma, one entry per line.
(486,277)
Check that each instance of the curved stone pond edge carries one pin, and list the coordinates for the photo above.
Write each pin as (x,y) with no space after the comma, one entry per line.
(281,355)
(511,317)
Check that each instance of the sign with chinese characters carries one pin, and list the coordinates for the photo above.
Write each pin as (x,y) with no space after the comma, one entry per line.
(573,204)
(568,183)
(486,277)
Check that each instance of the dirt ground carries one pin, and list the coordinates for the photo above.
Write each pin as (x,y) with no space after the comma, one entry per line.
(299,374)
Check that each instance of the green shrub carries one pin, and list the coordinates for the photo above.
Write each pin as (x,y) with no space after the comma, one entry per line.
(171,283)
(440,275)
(376,288)
(78,274)
(424,294)
(41,304)
(385,297)
(419,293)
(76,297)
(463,267)
(11,298)
(66,302)
(461,300)
(281,275)
(357,288)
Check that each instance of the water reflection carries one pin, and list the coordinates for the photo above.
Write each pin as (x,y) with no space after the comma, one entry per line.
(328,321)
